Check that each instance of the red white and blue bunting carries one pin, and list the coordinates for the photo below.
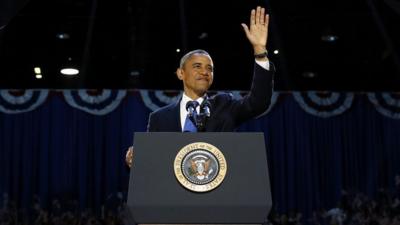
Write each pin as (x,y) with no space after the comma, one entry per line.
(324,104)
(103,101)
(388,104)
(157,99)
(97,102)
(21,101)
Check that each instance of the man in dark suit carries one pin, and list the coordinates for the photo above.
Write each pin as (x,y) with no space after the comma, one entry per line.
(196,72)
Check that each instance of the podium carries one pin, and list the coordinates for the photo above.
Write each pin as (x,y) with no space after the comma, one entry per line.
(156,196)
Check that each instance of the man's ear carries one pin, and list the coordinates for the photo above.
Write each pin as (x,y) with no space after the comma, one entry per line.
(179,73)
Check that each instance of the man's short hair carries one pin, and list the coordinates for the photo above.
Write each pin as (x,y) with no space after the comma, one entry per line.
(189,54)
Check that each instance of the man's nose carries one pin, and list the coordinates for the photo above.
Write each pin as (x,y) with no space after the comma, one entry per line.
(204,72)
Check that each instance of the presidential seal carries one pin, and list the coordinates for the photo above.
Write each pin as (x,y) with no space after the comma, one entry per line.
(200,167)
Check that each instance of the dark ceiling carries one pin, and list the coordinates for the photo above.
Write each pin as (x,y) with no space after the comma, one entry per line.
(323,45)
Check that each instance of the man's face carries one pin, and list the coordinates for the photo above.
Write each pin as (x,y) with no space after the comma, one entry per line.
(197,75)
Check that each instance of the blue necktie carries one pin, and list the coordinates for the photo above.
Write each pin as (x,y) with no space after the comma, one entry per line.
(189,126)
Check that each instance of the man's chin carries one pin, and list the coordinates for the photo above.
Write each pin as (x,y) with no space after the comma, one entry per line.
(201,91)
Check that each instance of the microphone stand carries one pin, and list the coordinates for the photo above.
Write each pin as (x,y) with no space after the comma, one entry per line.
(200,119)
(204,114)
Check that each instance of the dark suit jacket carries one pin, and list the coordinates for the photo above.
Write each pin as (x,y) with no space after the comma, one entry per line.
(226,113)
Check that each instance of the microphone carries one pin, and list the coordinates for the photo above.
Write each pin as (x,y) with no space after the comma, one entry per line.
(191,108)
(205,107)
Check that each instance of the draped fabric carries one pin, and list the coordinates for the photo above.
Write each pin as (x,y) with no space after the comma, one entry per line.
(61,150)
(58,151)
(312,159)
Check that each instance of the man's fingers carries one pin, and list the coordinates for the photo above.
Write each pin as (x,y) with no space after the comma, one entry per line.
(252,17)
(262,17)
(258,15)
(129,156)
(266,20)
(246,29)
(129,152)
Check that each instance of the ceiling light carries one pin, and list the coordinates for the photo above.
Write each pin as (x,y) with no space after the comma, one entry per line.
(329,34)
(69,68)
(69,71)
(37,70)
(276,52)
(309,74)
(203,36)
(134,73)
(63,36)
(329,38)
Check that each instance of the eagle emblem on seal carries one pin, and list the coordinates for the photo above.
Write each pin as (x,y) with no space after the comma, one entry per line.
(200,167)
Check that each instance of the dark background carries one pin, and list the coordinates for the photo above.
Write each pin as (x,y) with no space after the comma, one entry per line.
(53,150)
(132,44)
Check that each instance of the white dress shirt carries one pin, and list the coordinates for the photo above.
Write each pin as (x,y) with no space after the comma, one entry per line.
(183,110)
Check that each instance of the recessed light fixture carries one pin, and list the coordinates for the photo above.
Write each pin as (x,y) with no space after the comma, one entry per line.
(38,72)
(69,68)
(69,71)
(329,38)
(203,36)
(309,74)
(134,73)
(63,36)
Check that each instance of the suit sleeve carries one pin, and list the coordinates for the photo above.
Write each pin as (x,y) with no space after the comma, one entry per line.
(258,99)
(151,124)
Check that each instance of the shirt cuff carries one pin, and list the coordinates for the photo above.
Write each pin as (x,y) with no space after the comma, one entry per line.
(263,64)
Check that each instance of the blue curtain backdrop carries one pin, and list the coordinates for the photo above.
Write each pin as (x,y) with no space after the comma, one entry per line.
(59,151)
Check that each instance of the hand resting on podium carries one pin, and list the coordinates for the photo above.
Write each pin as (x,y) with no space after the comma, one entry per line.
(129,157)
